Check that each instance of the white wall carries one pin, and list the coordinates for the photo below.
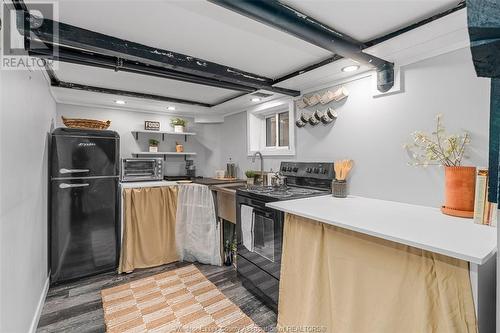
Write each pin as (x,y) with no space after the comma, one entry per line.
(371,131)
(26,117)
(124,122)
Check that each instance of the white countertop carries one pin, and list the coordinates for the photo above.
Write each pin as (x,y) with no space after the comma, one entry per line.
(418,226)
(147,184)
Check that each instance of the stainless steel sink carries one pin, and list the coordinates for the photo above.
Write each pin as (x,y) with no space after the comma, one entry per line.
(226,200)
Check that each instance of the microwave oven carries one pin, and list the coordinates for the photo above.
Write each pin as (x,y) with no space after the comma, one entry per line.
(141,169)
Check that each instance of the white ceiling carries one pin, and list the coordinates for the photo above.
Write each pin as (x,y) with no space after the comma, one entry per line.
(205,30)
(140,83)
(197,28)
(365,20)
(92,99)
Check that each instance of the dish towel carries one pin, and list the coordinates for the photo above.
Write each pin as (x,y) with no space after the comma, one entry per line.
(247,226)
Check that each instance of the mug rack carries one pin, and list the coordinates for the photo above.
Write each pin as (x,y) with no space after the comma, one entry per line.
(325,117)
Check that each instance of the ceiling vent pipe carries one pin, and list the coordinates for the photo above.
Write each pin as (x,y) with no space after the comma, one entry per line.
(289,20)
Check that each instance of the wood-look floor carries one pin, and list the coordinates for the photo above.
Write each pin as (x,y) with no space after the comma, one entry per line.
(76,307)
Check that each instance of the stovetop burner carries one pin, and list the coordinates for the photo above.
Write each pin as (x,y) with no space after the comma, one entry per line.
(282,192)
(304,179)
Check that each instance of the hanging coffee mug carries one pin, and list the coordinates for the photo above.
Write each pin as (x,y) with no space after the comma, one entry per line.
(299,123)
(331,113)
(340,94)
(326,120)
(313,121)
(317,114)
(301,104)
(327,97)
(304,117)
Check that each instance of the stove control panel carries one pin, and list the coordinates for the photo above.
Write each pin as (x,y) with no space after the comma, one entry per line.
(318,170)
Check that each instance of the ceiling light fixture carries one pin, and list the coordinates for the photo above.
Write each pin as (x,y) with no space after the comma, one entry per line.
(171,108)
(351,68)
(255,99)
(119,101)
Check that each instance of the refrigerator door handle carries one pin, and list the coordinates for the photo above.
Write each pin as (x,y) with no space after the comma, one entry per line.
(63,170)
(64,185)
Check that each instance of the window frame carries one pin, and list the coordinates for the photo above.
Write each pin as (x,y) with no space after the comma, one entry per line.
(257,128)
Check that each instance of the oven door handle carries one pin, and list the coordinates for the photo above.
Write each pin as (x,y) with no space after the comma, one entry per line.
(268,215)
(64,170)
(64,185)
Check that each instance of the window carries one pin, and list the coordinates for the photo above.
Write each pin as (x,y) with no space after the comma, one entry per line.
(271,131)
(283,129)
(270,128)
(277,130)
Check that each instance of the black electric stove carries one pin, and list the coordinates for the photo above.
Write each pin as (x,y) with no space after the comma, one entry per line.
(269,193)
(259,259)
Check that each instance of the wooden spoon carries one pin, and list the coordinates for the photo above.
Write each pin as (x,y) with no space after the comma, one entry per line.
(347,167)
(337,167)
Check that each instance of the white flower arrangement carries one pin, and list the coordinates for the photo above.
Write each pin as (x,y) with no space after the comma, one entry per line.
(439,148)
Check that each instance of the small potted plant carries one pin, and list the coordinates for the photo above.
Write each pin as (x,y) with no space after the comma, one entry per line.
(442,149)
(179,124)
(250,177)
(234,248)
(153,145)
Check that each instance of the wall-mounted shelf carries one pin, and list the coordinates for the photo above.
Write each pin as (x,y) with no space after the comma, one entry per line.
(164,154)
(162,133)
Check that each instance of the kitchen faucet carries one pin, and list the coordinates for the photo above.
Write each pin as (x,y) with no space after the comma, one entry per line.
(258,153)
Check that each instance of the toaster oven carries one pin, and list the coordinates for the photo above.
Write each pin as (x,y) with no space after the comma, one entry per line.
(141,169)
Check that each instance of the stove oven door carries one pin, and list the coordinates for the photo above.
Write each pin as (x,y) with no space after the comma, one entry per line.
(263,234)
(267,236)
(259,267)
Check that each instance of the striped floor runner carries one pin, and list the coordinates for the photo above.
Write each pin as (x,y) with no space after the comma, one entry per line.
(181,300)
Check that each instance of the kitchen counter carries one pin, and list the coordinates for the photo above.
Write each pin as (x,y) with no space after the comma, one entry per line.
(418,226)
(216,181)
(147,184)
(395,223)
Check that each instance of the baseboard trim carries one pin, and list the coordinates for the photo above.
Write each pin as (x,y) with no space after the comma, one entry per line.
(39,308)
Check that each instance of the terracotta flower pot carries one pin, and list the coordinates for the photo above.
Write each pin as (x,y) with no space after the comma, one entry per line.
(460,184)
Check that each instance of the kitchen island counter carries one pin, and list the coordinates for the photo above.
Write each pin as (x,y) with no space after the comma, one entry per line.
(418,226)
(390,251)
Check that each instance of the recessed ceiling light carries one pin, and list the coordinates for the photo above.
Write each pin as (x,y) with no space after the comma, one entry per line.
(351,68)
(255,99)
(119,101)
(171,108)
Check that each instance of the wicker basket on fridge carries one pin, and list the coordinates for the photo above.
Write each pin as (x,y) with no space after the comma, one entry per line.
(86,123)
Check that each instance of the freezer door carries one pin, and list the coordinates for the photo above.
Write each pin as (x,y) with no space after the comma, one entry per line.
(84,227)
(80,156)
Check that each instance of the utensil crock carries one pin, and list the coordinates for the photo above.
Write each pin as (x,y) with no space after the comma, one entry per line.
(339,188)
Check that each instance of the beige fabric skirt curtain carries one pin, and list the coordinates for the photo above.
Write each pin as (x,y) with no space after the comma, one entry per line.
(341,281)
(149,227)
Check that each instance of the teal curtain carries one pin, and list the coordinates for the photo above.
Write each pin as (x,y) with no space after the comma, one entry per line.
(483,18)
(494,183)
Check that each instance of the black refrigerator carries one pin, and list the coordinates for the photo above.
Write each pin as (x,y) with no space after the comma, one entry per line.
(84,203)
